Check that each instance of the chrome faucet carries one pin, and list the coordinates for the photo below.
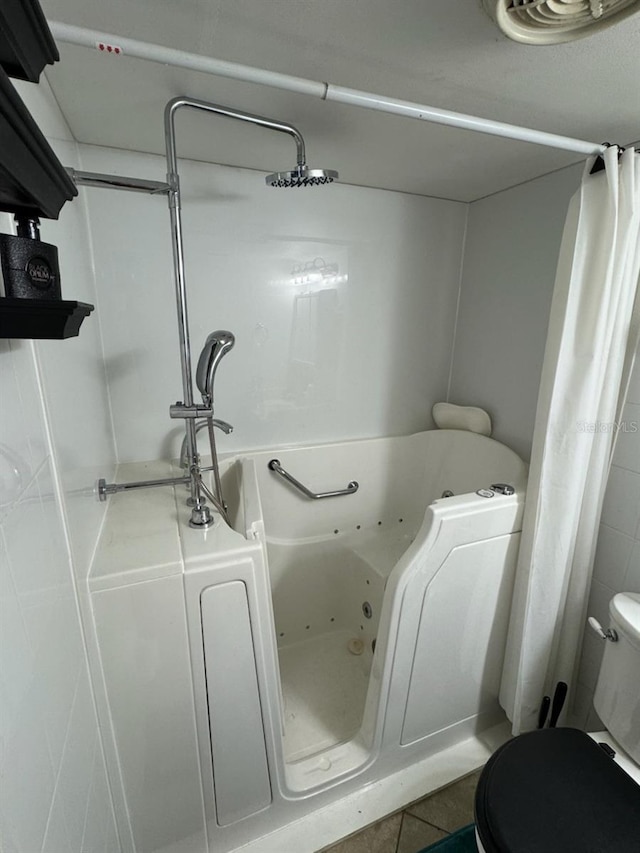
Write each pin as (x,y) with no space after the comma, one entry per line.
(203,424)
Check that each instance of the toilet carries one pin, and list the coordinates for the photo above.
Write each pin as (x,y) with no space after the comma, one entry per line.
(560,790)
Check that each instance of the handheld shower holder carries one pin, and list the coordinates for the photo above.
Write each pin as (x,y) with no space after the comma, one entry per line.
(179,410)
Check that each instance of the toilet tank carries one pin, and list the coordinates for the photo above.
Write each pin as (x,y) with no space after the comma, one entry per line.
(617,696)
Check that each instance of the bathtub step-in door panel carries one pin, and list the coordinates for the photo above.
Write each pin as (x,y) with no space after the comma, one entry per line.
(240,768)
(461,637)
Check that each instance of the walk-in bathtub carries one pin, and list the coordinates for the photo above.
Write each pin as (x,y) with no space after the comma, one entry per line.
(331,642)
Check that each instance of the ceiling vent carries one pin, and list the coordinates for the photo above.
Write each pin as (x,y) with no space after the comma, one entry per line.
(554,21)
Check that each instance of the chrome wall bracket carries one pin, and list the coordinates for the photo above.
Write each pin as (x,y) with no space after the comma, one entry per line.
(105,489)
(275,466)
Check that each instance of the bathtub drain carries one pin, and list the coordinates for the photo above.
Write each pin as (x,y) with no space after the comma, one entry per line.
(355,646)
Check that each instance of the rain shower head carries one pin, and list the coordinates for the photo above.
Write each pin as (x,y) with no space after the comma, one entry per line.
(302,176)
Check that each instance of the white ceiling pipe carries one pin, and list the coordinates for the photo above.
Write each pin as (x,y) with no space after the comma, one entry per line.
(356,98)
(181,59)
(194,62)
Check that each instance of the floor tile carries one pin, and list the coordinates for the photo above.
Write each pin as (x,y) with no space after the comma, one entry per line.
(415,834)
(382,837)
(450,808)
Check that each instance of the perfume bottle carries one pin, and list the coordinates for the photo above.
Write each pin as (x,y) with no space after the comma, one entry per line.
(29,267)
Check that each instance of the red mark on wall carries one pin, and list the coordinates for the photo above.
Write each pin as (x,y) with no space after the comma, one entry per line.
(103,47)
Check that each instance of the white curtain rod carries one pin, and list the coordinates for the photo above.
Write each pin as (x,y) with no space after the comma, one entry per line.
(109,43)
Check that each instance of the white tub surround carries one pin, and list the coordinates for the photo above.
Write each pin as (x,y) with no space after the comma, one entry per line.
(301,279)
(243,683)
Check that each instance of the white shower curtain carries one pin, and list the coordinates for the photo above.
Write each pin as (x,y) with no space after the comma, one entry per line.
(592,338)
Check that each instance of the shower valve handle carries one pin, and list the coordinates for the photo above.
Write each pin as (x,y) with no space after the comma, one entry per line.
(179,410)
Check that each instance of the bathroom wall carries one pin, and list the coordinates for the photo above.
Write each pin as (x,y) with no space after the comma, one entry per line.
(513,240)
(617,561)
(54,428)
(342,300)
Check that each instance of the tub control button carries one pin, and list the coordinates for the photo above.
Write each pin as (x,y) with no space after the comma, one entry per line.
(485,493)
(503,488)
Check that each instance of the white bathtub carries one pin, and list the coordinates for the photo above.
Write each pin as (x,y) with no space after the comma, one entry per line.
(288,720)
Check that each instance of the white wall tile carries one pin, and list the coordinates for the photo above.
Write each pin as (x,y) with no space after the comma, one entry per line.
(627,452)
(621,507)
(599,598)
(594,723)
(43,106)
(17,659)
(26,769)
(34,429)
(49,610)
(617,561)
(28,780)
(48,725)
(581,705)
(98,828)
(56,839)
(363,357)
(612,557)
(632,577)
(633,395)
(76,768)
(74,382)
(22,436)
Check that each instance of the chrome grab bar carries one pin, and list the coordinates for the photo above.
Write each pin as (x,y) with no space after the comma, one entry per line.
(275,466)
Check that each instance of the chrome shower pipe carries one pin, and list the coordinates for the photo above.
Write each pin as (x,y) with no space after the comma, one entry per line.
(175,213)
(116,182)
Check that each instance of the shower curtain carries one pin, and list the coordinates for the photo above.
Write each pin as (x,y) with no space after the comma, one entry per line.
(592,339)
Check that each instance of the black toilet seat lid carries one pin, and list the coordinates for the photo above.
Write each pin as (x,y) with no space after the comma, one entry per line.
(556,791)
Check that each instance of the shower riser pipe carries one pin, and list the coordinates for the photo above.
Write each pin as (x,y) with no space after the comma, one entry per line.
(326,91)
(200,516)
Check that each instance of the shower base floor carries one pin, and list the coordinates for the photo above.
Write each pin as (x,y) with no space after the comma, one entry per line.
(324,688)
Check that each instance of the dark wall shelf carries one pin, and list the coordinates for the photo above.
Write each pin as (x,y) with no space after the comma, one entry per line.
(51,319)
(33,182)
(33,185)
(26,43)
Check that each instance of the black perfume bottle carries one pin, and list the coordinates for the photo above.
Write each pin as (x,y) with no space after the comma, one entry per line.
(29,267)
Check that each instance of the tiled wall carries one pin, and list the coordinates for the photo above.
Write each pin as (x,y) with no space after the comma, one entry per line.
(53,409)
(617,562)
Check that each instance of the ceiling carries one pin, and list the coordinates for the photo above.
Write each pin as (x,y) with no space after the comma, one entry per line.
(442,53)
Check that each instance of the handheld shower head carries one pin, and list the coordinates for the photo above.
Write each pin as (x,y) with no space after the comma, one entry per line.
(216,346)
(302,176)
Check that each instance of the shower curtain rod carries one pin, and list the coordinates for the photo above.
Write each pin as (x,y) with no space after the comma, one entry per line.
(117,45)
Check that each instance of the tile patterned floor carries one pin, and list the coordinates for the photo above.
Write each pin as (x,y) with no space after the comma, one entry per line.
(420,824)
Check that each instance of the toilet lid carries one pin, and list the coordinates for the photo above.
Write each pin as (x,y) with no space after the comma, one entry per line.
(556,791)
